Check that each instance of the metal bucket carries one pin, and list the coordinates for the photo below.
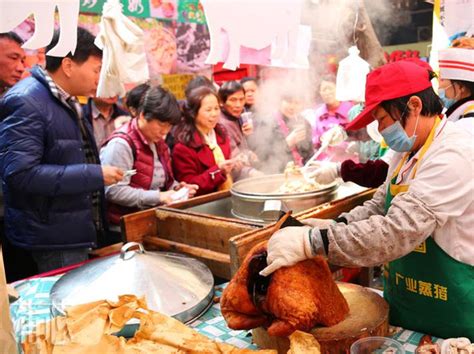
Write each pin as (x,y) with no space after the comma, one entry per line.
(257,198)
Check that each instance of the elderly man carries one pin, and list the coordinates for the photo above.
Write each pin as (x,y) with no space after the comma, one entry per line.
(12,67)
(12,60)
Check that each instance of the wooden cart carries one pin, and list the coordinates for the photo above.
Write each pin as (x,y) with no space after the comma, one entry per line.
(220,242)
(202,236)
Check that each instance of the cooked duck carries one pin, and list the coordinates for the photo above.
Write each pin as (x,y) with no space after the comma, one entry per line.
(292,298)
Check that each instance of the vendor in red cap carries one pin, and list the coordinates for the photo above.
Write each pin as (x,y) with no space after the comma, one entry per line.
(419,222)
(371,173)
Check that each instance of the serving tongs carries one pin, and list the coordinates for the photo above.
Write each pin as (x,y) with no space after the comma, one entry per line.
(257,285)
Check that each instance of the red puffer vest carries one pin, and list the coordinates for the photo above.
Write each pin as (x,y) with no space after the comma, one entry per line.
(142,162)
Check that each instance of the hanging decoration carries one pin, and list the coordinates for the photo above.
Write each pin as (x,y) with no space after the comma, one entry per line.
(124,58)
(230,26)
(14,12)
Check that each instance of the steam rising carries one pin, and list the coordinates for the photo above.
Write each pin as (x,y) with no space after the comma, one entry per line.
(335,26)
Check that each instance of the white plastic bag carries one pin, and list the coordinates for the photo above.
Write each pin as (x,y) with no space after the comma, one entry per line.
(124,57)
(351,77)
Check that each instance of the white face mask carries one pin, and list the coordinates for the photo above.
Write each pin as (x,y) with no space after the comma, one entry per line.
(447,102)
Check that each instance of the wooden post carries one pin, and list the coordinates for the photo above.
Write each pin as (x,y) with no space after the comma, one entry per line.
(7,336)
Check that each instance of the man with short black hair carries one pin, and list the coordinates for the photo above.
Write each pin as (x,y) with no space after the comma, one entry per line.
(53,180)
(101,112)
(12,60)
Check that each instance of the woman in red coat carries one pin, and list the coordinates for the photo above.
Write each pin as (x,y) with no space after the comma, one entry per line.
(202,153)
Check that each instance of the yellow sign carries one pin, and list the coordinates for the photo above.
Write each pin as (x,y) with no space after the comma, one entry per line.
(176,84)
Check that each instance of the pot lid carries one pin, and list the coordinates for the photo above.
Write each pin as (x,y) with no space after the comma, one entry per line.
(173,284)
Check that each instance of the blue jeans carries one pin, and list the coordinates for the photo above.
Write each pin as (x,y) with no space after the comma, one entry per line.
(50,260)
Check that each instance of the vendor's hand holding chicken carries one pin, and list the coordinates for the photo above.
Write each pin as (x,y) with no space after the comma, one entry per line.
(287,247)
(291,245)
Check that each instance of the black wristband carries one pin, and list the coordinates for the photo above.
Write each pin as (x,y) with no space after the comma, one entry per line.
(341,219)
(325,239)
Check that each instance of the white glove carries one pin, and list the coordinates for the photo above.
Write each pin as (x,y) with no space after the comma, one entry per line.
(334,136)
(287,247)
(319,223)
(353,147)
(326,172)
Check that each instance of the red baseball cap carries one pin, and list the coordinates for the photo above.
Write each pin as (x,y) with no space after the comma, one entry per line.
(388,82)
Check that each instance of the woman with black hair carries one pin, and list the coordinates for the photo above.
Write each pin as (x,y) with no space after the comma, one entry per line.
(134,97)
(139,145)
(419,222)
(202,154)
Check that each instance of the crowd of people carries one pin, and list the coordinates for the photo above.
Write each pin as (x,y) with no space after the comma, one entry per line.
(70,171)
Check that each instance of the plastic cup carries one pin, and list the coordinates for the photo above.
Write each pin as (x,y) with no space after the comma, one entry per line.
(246,116)
(378,345)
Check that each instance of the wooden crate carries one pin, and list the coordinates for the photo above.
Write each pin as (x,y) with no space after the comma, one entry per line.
(202,236)
(196,201)
(240,245)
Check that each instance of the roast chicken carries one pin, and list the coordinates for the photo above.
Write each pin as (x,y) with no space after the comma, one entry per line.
(299,297)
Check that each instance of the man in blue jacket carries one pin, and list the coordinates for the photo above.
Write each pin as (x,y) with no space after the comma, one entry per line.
(52,178)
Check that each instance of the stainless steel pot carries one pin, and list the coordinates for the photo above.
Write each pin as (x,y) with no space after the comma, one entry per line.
(256,198)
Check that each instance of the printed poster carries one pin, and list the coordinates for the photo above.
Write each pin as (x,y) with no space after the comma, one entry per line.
(193,46)
(135,8)
(191,11)
(164,9)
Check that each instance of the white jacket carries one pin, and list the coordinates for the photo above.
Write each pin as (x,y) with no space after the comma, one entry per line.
(439,202)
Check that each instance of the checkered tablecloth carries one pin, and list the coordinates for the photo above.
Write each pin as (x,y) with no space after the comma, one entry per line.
(34,306)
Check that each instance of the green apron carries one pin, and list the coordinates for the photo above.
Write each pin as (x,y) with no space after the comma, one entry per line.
(428,290)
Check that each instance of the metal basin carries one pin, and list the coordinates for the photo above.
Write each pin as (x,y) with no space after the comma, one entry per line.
(256,198)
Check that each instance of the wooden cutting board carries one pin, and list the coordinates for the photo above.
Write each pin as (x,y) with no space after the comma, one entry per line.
(368,316)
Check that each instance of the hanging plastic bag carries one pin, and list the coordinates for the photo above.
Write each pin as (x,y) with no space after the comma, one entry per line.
(351,76)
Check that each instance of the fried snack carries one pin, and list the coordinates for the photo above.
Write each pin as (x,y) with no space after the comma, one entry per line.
(87,328)
(302,342)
